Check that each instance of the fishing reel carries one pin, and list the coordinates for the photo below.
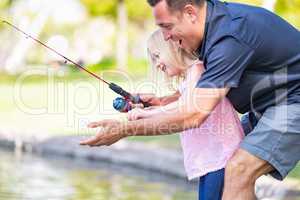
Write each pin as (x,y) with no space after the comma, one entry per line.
(125,104)
(122,104)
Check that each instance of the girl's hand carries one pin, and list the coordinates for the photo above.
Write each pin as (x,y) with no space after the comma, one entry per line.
(136,114)
(150,98)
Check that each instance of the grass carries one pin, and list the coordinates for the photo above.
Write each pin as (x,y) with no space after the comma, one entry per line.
(69,102)
(136,68)
(68,109)
(66,103)
(296,172)
(67,106)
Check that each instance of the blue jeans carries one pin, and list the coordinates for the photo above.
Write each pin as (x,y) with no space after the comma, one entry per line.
(249,121)
(211,185)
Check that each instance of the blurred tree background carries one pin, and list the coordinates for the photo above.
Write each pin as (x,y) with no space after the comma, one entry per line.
(289,10)
(136,11)
(5,3)
(120,30)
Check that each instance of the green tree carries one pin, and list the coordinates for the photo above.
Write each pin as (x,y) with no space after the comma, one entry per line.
(5,4)
(137,10)
(250,2)
(289,10)
(121,11)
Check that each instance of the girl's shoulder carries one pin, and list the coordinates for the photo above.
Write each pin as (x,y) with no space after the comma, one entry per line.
(193,74)
(195,71)
(198,65)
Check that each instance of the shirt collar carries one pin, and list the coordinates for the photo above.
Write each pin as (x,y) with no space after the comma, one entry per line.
(209,11)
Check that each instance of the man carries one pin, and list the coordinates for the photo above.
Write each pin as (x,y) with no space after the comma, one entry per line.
(251,56)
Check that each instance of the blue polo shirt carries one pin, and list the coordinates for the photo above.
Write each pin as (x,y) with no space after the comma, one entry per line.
(252,51)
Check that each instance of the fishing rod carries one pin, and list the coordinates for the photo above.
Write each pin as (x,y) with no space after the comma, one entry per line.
(120,104)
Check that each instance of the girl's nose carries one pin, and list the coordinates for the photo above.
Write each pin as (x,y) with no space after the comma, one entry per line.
(167,35)
(161,66)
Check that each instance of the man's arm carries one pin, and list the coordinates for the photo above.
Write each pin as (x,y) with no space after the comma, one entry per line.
(159,101)
(191,114)
(154,111)
(169,99)
(193,75)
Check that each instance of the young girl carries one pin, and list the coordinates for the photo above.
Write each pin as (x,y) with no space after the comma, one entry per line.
(206,149)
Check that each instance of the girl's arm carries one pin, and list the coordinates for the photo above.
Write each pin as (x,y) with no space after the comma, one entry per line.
(169,99)
(139,113)
(193,75)
(159,101)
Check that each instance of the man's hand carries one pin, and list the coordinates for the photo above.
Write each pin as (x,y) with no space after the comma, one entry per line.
(191,114)
(151,99)
(107,135)
(158,101)
(136,114)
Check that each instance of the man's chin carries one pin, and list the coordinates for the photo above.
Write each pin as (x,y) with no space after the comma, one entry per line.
(186,49)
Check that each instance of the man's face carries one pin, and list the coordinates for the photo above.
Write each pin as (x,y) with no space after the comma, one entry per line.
(176,26)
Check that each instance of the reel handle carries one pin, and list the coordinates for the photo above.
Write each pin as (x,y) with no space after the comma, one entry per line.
(123,105)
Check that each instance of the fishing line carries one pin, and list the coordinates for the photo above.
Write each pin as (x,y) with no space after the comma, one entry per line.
(119,104)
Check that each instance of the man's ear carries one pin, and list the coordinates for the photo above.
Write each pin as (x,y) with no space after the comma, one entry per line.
(190,12)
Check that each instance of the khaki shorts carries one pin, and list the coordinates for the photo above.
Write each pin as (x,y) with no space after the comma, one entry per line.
(275,137)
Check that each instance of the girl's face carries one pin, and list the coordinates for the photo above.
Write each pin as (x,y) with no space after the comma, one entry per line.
(165,65)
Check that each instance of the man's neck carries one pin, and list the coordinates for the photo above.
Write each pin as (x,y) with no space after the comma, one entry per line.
(201,23)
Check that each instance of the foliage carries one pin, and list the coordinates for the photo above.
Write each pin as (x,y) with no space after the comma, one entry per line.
(250,2)
(295,173)
(138,10)
(105,64)
(4,4)
(136,67)
(289,10)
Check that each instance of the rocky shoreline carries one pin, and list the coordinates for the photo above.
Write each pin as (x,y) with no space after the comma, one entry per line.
(138,155)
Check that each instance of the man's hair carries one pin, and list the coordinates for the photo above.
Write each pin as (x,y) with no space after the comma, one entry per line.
(177,4)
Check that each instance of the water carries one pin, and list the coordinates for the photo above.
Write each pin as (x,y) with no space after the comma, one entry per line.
(36,178)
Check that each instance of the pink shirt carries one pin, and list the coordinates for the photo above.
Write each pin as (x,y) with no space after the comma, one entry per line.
(209,147)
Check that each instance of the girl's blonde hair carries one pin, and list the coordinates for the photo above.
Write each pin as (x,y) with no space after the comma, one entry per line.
(172,54)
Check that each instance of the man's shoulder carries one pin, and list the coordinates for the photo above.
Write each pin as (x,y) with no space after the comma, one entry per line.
(247,24)
(240,9)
